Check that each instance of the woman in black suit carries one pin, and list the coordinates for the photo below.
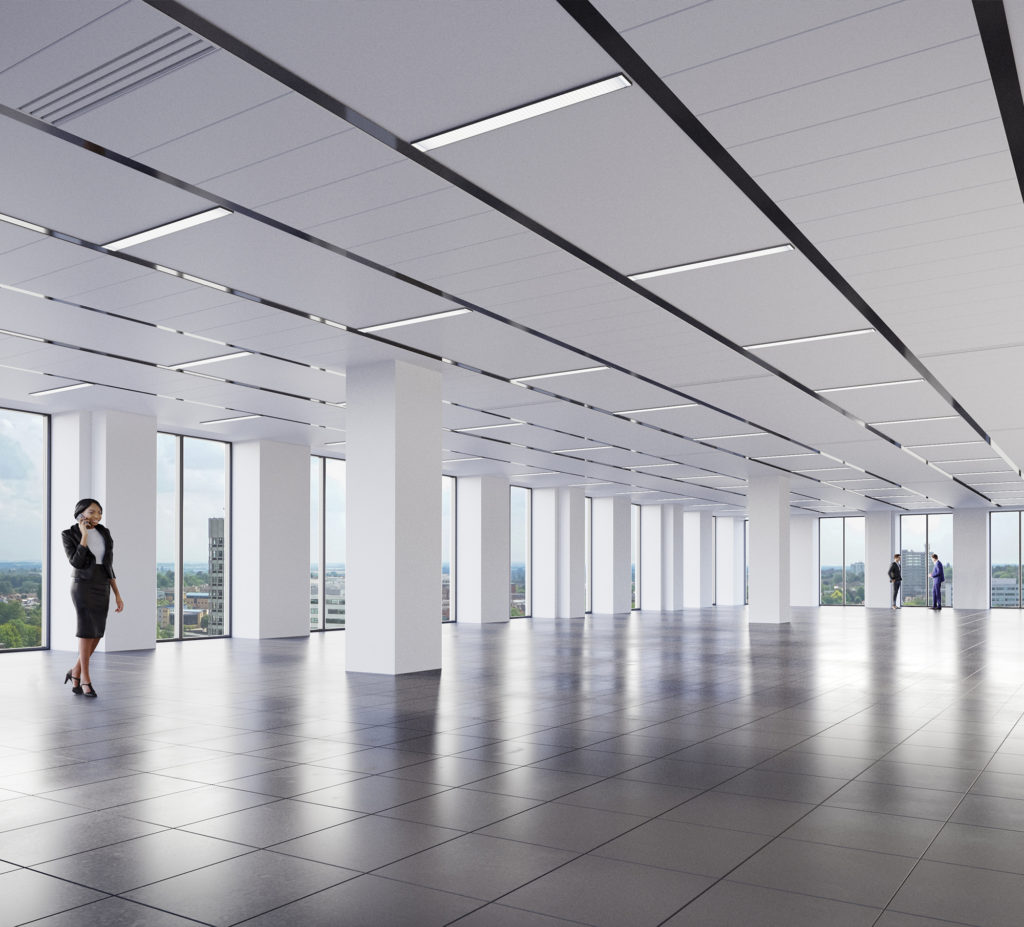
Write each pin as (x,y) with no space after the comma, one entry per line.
(90,550)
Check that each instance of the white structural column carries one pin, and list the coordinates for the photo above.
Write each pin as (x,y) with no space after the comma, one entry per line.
(651,557)
(482,549)
(804,574)
(610,555)
(558,575)
(270,540)
(729,565)
(970,558)
(111,457)
(698,591)
(879,546)
(768,504)
(671,558)
(393,524)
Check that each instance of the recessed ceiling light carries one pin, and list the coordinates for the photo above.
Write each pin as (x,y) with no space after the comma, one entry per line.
(778,344)
(450,313)
(207,360)
(167,229)
(560,373)
(711,262)
(753,434)
(914,421)
(571,450)
(233,418)
(31,226)
(838,389)
(685,405)
(60,389)
(509,117)
(486,427)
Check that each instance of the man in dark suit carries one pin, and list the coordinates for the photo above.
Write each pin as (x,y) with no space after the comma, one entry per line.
(896,578)
(938,577)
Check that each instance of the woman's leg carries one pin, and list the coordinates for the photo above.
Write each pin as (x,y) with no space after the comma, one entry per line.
(86,646)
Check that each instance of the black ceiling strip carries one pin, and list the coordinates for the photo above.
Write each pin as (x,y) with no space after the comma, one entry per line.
(609,39)
(585,14)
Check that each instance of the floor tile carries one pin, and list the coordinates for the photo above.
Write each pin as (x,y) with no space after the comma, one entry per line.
(462,809)
(498,915)
(920,776)
(593,762)
(27,810)
(532,782)
(123,866)
(476,865)
(125,790)
(683,774)
(999,785)
(291,780)
(450,770)
(115,912)
(979,897)
(367,843)
(564,827)
(29,895)
(266,824)
(608,893)
(895,799)
(196,804)
(983,847)
(38,843)
(730,904)
(866,830)
(989,811)
(271,880)
(839,873)
(629,796)
(764,783)
(748,813)
(371,793)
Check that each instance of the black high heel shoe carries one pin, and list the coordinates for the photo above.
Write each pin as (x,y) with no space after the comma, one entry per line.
(75,688)
(91,693)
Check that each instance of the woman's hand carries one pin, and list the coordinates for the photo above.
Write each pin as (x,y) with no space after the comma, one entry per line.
(120,603)
(83,526)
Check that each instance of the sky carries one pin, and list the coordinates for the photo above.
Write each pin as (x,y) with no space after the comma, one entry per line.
(22,485)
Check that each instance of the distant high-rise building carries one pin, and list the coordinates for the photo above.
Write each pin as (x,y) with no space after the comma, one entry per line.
(915,568)
(215,625)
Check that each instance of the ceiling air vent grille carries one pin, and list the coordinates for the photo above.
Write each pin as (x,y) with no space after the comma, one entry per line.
(127,72)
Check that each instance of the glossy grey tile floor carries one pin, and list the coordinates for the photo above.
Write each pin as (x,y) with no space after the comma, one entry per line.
(853,768)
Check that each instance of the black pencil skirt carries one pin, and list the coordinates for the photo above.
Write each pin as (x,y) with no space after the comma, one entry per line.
(92,602)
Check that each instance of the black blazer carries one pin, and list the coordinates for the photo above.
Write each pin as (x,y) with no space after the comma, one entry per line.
(83,559)
(895,573)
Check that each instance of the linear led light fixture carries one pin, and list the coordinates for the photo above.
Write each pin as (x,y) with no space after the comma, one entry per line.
(18,289)
(232,418)
(808,339)
(685,405)
(60,389)
(822,470)
(589,484)
(839,389)
(459,459)
(523,476)
(560,373)
(986,473)
(4,331)
(206,360)
(710,476)
(329,443)
(784,456)
(167,229)
(414,321)
(711,262)
(654,466)
(486,427)
(915,421)
(571,450)
(949,444)
(31,226)
(520,113)
(753,434)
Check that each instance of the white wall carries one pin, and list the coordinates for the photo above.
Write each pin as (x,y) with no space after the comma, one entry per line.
(651,557)
(672,565)
(970,558)
(611,555)
(879,546)
(697,560)
(558,581)
(729,565)
(482,542)
(803,564)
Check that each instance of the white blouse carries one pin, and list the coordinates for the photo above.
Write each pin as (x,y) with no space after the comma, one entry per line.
(96,544)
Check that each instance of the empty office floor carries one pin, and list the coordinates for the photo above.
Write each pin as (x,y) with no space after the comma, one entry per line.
(857,767)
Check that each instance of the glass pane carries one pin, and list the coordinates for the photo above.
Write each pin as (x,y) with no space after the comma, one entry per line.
(854,528)
(913,557)
(830,558)
(334,543)
(588,540)
(746,562)
(1005,572)
(634,554)
(23,513)
(166,535)
(314,543)
(940,541)
(447,546)
(519,550)
(204,508)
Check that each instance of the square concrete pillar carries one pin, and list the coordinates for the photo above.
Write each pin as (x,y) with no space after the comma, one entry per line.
(804,575)
(971,558)
(610,555)
(672,562)
(698,591)
(650,557)
(768,505)
(729,561)
(879,546)
(270,554)
(559,579)
(393,525)
(482,542)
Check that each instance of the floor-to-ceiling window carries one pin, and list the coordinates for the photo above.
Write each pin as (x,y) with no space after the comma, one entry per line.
(326,544)
(520,501)
(634,554)
(23,514)
(1005,561)
(841,560)
(192,538)
(920,537)
(746,561)
(448,548)
(588,556)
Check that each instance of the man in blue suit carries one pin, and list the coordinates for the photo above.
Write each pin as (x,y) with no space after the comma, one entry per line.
(938,577)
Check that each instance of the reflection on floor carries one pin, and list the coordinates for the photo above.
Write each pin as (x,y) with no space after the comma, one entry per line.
(857,767)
